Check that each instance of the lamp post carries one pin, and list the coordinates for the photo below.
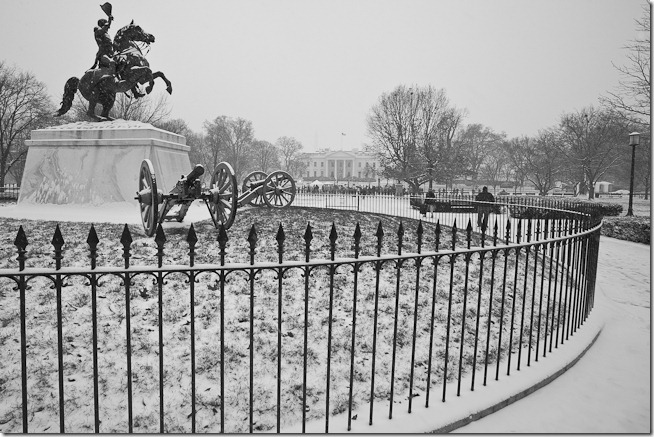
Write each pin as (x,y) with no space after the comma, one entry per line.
(634,140)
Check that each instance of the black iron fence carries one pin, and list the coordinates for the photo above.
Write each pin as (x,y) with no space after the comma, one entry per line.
(257,340)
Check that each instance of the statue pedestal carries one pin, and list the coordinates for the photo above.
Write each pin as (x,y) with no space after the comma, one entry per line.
(98,163)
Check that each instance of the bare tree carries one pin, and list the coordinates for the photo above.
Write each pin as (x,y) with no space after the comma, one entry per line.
(24,106)
(477,141)
(175,125)
(590,143)
(289,148)
(493,169)
(633,94)
(265,156)
(516,151)
(543,163)
(412,132)
(632,97)
(230,140)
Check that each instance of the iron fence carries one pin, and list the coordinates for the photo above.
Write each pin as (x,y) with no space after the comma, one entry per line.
(254,342)
(9,192)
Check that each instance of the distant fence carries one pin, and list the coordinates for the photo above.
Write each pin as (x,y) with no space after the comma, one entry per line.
(9,192)
(254,342)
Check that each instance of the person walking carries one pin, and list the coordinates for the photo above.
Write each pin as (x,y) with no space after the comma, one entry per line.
(430,202)
(484,209)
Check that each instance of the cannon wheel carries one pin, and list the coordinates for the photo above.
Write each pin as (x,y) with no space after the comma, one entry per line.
(255,176)
(279,189)
(148,197)
(222,205)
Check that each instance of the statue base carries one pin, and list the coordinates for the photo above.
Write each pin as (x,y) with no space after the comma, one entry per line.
(98,163)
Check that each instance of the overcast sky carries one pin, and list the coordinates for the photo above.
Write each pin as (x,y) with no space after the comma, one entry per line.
(312,69)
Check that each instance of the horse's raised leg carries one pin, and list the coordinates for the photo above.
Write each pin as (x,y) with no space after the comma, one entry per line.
(169,85)
(135,91)
(150,80)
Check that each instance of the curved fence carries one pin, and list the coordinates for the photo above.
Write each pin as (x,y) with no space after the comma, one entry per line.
(278,340)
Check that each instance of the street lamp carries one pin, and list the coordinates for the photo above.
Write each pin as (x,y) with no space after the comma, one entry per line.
(634,140)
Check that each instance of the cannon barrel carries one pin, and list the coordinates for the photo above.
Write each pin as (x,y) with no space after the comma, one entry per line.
(194,174)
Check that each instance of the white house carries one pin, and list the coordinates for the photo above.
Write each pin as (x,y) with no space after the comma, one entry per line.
(340,165)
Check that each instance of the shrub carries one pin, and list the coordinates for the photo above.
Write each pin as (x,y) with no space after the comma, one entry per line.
(635,229)
(557,208)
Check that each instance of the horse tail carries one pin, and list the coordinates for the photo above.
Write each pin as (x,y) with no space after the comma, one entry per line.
(69,94)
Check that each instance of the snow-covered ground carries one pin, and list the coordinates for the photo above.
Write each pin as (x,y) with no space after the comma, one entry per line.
(608,390)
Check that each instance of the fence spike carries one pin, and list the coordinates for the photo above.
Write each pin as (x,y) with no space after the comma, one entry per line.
(419,232)
(160,239)
(191,239)
(454,235)
(508,231)
(438,234)
(126,241)
(57,239)
(380,236)
(92,240)
(495,231)
(333,236)
(58,243)
(252,239)
(126,237)
(308,236)
(528,230)
(469,232)
(357,240)
(519,232)
(280,241)
(400,235)
(21,244)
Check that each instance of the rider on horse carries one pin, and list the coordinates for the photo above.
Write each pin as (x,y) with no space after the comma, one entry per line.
(104,57)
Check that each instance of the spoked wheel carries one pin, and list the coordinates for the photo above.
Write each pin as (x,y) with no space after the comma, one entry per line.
(148,197)
(251,182)
(279,189)
(224,194)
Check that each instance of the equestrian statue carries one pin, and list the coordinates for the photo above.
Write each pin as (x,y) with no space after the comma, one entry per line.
(120,67)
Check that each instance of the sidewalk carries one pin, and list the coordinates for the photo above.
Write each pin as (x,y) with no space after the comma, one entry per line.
(609,389)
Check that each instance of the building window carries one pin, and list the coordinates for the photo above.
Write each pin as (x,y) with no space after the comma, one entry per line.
(321,173)
(322,164)
(314,174)
(315,163)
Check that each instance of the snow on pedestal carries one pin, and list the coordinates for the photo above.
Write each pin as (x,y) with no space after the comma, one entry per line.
(91,163)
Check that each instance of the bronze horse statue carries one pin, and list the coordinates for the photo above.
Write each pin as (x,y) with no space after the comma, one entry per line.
(100,85)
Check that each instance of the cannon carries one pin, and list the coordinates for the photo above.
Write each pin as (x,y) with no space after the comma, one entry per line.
(276,190)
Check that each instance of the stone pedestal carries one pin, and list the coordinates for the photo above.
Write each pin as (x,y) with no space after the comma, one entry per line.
(98,163)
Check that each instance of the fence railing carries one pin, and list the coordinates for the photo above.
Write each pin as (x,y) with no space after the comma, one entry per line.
(259,341)
(9,192)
